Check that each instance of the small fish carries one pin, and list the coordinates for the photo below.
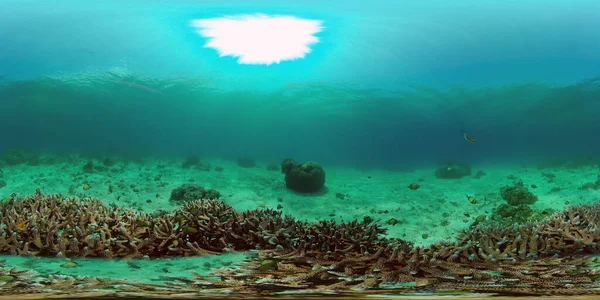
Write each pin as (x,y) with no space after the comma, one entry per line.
(414,186)
(190,229)
(468,138)
(471,199)
(69,264)
(133,265)
(21,225)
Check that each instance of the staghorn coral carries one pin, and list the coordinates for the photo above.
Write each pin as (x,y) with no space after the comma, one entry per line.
(541,258)
(56,226)
(53,225)
(534,258)
(374,275)
(575,230)
(557,276)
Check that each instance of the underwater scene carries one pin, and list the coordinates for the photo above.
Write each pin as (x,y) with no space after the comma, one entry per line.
(291,149)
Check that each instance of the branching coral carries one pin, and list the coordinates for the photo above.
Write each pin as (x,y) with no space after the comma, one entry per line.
(378,273)
(55,226)
(541,257)
(535,258)
(548,257)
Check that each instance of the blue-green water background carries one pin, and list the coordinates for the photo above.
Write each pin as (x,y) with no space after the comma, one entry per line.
(390,84)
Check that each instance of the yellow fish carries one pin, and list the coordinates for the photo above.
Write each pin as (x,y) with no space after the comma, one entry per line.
(472,199)
(21,225)
(469,138)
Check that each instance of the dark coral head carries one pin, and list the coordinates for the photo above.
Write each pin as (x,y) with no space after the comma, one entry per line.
(306,178)
(287,165)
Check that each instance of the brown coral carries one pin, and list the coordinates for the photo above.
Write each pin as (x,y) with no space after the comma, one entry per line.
(55,226)
(547,257)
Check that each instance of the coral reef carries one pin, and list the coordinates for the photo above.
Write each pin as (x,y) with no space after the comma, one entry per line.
(287,165)
(49,225)
(513,214)
(191,192)
(265,277)
(518,194)
(550,256)
(16,284)
(303,178)
(56,226)
(545,257)
(517,208)
(453,171)
(372,275)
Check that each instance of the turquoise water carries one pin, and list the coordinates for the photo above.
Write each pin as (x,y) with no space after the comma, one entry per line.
(124,102)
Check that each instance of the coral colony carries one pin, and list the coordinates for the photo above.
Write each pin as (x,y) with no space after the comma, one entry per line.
(530,255)
(549,256)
